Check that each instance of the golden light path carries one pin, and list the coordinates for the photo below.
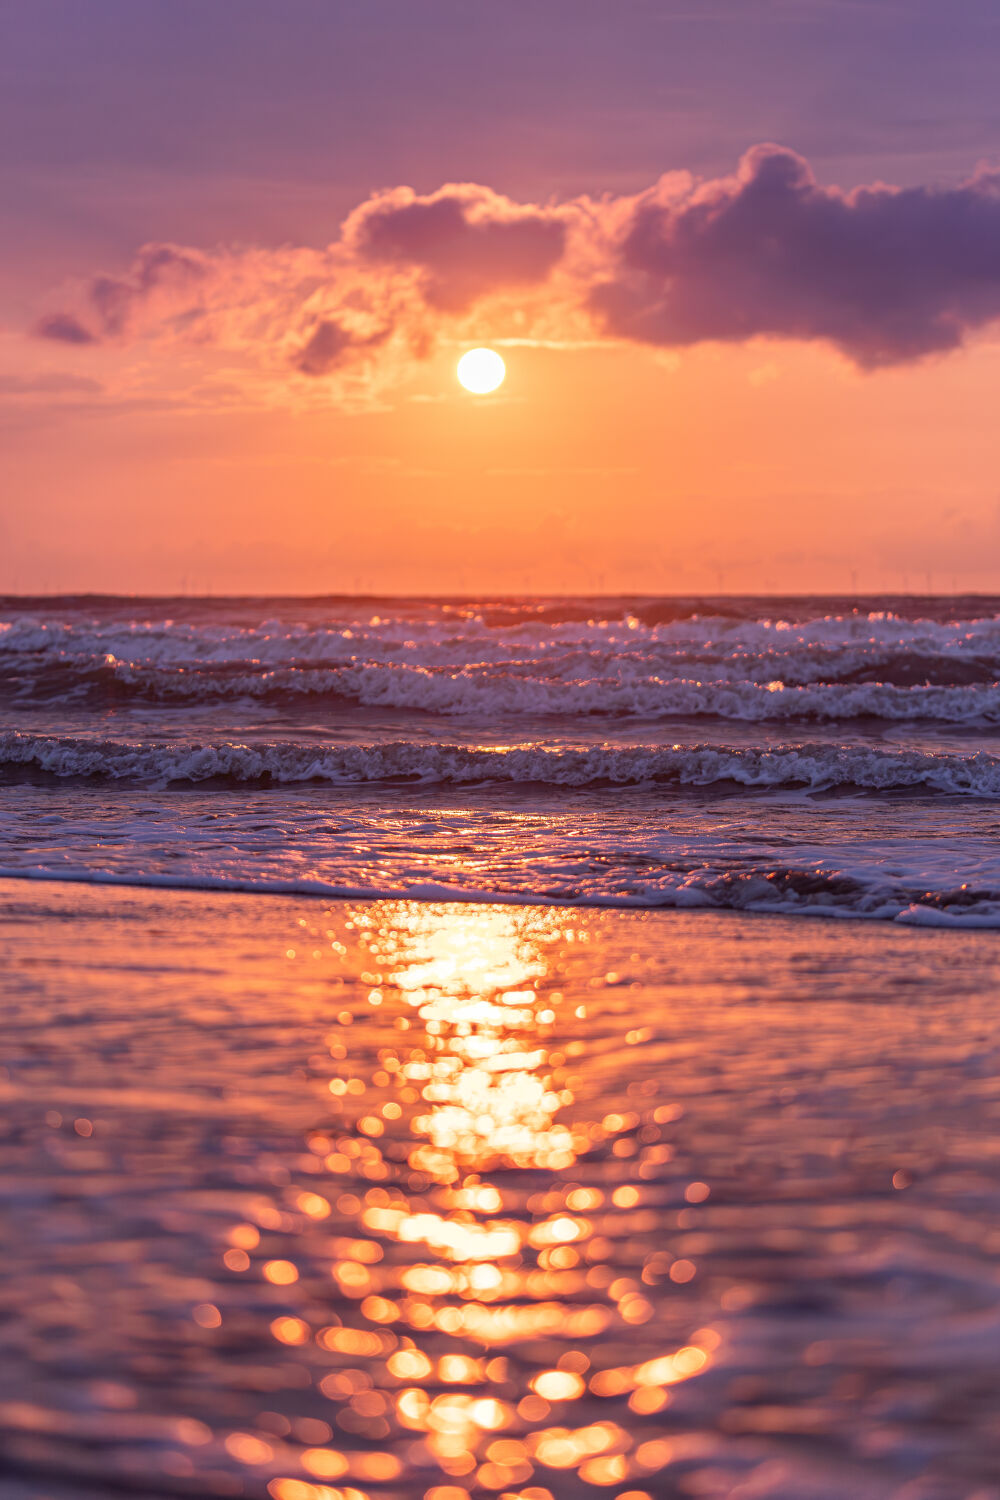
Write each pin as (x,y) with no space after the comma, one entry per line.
(481,371)
(480,1288)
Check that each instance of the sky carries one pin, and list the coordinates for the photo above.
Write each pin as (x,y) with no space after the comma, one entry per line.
(742,259)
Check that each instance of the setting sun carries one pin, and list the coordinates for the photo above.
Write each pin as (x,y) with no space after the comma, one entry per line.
(481,371)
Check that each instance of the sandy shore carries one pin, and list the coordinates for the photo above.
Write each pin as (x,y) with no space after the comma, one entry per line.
(392,1199)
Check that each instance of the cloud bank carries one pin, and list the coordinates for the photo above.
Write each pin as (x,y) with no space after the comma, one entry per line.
(885,275)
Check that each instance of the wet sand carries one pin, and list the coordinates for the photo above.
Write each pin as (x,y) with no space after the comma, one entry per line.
(324,1201)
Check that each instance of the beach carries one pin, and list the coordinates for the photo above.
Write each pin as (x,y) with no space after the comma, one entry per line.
(385,1198)
(500,750)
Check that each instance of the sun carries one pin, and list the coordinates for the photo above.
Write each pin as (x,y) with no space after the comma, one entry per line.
(481,371)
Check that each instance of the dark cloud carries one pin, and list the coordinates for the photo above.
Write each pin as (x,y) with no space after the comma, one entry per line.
(469,241)
(888,275)
(330,345)
(324,349)
(64,328)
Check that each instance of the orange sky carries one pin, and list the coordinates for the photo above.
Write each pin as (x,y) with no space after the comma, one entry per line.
(735,376)
(767,467)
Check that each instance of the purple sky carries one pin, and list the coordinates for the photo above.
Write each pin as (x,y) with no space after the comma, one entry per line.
(128,120)
(793,368)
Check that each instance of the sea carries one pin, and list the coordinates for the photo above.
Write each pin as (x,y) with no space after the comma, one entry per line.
(810,756)
(419,1079)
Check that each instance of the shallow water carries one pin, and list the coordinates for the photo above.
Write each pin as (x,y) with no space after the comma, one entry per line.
(324,1201)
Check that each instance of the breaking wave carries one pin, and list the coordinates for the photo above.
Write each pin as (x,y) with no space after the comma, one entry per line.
(812,767)
(610,689)
(856,666)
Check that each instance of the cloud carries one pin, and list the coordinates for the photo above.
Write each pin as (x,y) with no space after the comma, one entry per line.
(160,275)
(885,275)
(48,383)
(467,240)
(64,328)
(330,344)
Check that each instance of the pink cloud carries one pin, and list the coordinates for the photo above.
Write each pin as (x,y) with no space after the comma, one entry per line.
(64,328)
(329,345)
(885,275)
(467,241)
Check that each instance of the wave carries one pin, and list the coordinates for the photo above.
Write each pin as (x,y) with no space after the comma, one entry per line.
(617,688)
(773,891)
(500,615)
(810,767)
(166,641)
(446,661)
(486,693)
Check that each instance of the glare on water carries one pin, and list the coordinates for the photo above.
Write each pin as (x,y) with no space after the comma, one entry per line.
(474,1237)
(329,1202)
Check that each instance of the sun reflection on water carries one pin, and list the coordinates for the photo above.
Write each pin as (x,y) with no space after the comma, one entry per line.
(479,1306)
(392,1202)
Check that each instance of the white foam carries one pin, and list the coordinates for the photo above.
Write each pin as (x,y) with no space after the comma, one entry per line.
(746,669)
(811,766)
(912,867)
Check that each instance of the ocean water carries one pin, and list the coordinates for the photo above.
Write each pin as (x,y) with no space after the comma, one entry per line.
(836,757)
(412,1200)
(379,1139)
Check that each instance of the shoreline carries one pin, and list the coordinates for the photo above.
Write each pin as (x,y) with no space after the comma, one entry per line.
(923,917)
